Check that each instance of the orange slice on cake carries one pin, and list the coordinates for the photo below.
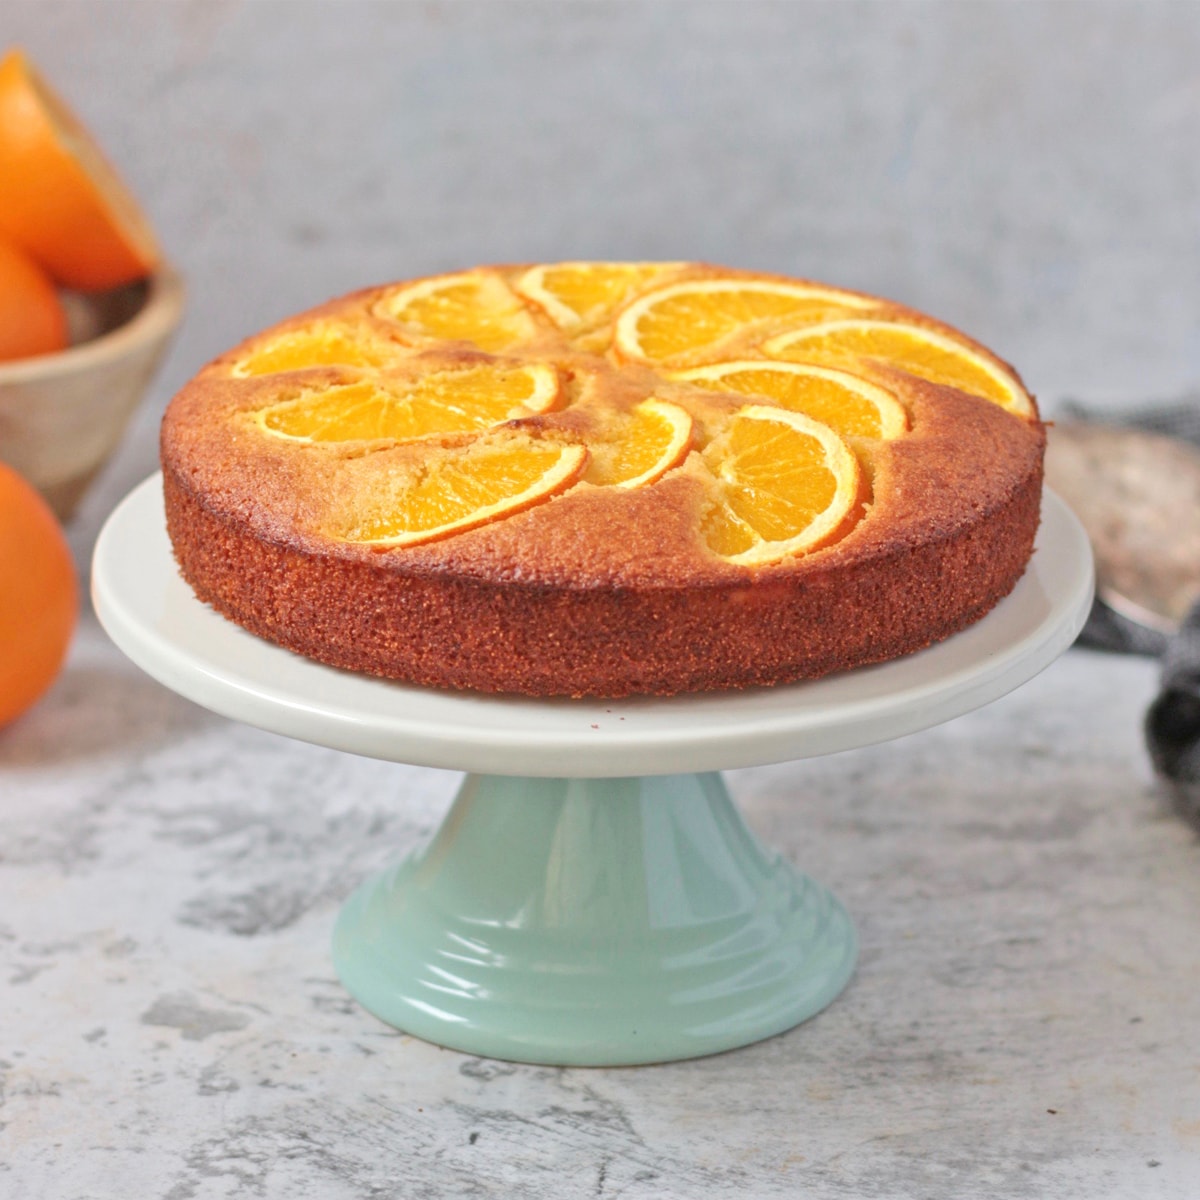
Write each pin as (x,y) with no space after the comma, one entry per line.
(656,437)
(321,344)
(916,349)
(389,409)
(849,405)
(449,493)
(696,319)
(581,295)
(785,485)
(477,307)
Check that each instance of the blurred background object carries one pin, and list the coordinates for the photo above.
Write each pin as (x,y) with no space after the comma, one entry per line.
(63,414)
(32,318)
(1135,483)
(1138,495)
(39,596)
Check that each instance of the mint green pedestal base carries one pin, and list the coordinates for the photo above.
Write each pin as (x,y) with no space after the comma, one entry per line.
(593,922)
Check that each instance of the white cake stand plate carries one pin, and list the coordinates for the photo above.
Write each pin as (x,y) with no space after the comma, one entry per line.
(593,897)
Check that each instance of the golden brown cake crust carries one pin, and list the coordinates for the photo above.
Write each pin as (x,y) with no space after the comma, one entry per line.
(599,591)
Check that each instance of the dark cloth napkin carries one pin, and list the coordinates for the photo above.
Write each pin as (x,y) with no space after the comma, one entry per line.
(1172,724)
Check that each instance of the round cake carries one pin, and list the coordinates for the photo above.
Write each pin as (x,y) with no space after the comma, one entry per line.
(603,479)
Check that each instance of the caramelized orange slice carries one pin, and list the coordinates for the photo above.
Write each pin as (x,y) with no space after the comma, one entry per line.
(476,307)
(693,318)
(849,405)
(912,348)
(491,479)
(656,438)
(389,409)
(321,344)
(786,485)
(579,295)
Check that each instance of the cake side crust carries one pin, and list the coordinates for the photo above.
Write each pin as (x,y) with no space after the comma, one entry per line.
(542,640)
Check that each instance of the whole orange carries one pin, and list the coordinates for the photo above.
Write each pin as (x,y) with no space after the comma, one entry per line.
(39,595)
(32,320)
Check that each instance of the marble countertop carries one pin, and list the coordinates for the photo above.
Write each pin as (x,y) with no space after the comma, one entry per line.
(1023,1021)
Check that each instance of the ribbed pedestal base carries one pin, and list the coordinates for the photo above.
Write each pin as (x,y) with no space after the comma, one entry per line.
(593,922)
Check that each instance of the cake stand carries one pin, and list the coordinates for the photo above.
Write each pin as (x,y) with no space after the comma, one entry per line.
(593,897)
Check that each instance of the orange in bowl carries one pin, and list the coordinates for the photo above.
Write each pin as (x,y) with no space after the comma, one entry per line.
(39,598)
(32,320)
(59,198)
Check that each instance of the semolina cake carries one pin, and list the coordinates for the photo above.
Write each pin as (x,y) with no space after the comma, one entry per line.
(603,479)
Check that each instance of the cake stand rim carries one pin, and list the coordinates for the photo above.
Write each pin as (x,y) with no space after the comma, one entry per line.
(161,626)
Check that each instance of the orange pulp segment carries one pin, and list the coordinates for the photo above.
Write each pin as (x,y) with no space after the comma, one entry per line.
(490,479)
(396,410)
(59,199)
(475,306)
(849,405)
(656,438)
(786,485)
(686,319)
(913,348)
(321,344)
(577,295)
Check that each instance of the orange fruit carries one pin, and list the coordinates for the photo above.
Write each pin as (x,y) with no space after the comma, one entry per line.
(923,352)
(320,344)
(850,406)
(32,320)
(785,485)
(391,409)
(656,438)
(476,307)
(494,477)
(684,321)
(579,295)
(39,597)
(59,199)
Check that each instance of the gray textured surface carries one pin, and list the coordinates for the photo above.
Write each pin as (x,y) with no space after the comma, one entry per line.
(169,1024)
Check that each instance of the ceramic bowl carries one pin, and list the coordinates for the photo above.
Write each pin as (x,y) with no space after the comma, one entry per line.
(62,415)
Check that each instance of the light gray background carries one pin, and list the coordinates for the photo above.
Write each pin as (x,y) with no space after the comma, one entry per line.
(1023,1023)
(1028,171)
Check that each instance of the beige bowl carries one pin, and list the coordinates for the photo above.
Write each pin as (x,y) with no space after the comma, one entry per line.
(62,415)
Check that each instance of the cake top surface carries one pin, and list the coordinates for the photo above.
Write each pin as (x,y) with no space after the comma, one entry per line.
(604,424)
